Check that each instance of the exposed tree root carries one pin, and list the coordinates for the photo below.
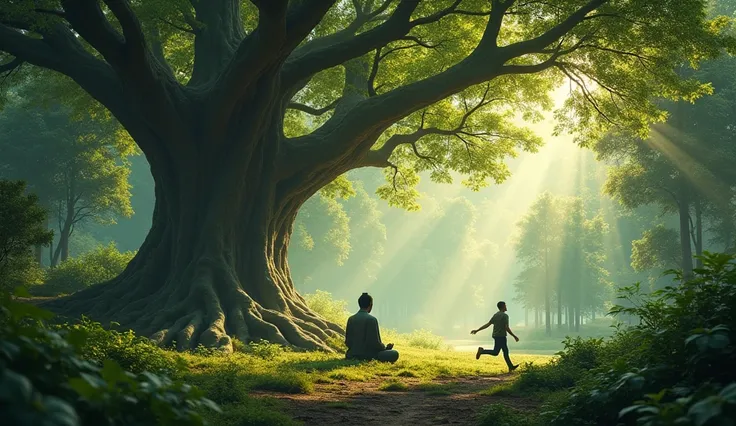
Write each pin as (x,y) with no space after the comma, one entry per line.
(215,309)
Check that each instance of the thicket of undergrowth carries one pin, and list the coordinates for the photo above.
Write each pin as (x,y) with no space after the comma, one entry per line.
(674,368)
(85,375)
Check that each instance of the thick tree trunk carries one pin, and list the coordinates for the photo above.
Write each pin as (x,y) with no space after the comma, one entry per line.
(213,266)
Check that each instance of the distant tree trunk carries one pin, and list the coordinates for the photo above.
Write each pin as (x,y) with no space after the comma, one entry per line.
(62,248)
(526,317)
(559,307)
(547,304)
(38,254)
(536,317)
(698,233)
(685,248)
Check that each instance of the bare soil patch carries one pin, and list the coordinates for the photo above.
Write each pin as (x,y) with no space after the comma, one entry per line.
(455,401)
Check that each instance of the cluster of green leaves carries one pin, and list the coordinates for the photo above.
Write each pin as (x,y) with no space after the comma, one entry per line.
(656,249)
(328,307)
(133,353)
(674,368)
(45,379)
(21,227)
(683,167)
(99,265)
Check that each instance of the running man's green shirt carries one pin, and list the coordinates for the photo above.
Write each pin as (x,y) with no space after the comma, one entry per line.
(500,321)
(362,336)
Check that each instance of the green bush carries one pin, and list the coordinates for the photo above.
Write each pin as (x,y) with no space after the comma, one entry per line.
(674,368)
(501,415)
(549,377)
(423,339)
(44,381)
(329,308)
(581,353)
(133,353)
(21,227)
(99,265)
(264,349)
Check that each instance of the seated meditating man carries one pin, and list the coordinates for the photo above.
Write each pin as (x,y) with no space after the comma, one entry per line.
(363,338)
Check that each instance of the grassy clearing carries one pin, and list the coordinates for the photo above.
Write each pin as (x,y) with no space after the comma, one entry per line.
(231,380)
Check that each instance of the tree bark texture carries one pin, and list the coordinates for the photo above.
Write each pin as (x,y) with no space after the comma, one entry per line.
(214,263)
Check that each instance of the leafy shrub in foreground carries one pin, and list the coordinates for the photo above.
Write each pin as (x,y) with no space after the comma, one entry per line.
(674,368)
(134,353)
(501,415)
(99,265)
(44,381)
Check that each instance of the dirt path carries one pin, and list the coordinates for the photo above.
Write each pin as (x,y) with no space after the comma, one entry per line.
(451,401)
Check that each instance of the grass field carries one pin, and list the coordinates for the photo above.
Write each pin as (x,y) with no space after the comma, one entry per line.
(244,384)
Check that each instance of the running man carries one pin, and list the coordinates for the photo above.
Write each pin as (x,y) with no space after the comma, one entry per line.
(500,321)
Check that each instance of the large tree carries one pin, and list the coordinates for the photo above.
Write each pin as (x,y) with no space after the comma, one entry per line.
(205,89)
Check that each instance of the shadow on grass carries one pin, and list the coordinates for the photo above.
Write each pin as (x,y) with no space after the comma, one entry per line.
(322,366)
(436,389)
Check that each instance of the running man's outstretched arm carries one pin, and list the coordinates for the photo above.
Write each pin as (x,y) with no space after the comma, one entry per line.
(482,327)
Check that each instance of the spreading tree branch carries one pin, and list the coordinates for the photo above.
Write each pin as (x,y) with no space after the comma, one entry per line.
(317,55)
(311,110)
(280,29)
(488,61)
(380,157)
(381,54)
(11,66)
